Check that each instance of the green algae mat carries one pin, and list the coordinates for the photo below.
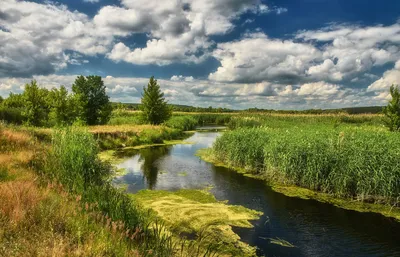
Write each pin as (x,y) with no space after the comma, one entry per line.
(197,214)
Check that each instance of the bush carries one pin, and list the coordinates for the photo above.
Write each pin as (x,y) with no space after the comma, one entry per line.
(12,115)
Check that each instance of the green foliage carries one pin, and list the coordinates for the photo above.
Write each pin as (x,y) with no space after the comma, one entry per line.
(154,108)
(182,122)
(93,104)
(36,108)
(12,115)
(120,116)
(392,110)
(62,107)
(14,101)
(351,161)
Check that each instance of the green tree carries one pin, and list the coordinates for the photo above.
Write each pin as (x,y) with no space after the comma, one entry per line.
(36,108)
(62,107)
(14,101)
(155,109)
(93,104)
(392,110)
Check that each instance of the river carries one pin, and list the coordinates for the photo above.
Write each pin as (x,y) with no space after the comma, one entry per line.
(314,228)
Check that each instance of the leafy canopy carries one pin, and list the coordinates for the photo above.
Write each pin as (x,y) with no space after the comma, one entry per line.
(93,104)
(392,110)
(155,109)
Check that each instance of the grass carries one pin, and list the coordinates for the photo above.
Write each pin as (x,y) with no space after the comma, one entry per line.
(112,137)
(180,120)
(57,200)
(356,160)
(44,220)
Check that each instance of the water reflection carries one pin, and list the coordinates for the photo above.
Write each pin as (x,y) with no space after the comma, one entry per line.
(316,229)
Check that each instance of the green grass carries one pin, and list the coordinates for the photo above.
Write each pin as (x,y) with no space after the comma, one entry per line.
(183,123)
(121,136)
(357,160)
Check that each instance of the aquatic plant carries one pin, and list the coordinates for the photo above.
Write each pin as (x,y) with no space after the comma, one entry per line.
(355,162)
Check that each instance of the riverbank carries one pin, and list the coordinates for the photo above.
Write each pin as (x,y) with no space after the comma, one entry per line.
(304,193)
(39,217)
(60,199)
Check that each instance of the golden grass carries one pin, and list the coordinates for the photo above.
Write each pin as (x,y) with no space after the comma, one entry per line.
(122,128)
(19,198)
(16,137)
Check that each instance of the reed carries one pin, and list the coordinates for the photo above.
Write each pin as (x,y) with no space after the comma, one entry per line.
(347,161)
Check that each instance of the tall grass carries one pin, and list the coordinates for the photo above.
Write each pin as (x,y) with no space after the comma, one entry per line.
(183,123)
(120,117)
(290,120)
(74,162)
(111,137)
(349,161)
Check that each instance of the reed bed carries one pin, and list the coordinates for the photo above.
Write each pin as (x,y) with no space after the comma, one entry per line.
(346,161)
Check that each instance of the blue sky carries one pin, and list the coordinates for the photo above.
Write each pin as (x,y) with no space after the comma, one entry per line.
(229,53)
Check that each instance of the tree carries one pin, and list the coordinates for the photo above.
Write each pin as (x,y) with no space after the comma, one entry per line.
(392,110)
(155,109)
(36,108)
(93,104)
(62,107)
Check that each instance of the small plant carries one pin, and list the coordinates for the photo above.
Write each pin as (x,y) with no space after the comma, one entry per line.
(392,110)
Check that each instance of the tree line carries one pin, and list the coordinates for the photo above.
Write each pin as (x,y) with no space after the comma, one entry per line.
(87,104)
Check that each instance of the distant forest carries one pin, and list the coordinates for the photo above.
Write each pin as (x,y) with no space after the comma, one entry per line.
(187,108)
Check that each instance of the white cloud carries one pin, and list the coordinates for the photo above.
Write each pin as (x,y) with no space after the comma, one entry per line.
(35,37)
(257,57)
(390,77)
(91,1)
(354,49)
(331,54)
(179,30)
(232,95)
(182,78)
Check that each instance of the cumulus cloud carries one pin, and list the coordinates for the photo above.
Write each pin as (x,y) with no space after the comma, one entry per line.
(350,50)
(330,54)
(390,77)
(256,58)
(179,30)
(219,94)
(34,38)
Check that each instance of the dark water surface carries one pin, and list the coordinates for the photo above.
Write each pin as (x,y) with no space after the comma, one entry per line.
(314,228)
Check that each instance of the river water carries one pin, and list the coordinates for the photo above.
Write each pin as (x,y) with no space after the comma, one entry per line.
(314,228)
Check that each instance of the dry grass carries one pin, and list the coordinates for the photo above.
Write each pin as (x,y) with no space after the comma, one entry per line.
(46,221)
(19,199)
(122,128)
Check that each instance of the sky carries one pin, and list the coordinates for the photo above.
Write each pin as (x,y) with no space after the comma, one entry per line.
(282,54)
